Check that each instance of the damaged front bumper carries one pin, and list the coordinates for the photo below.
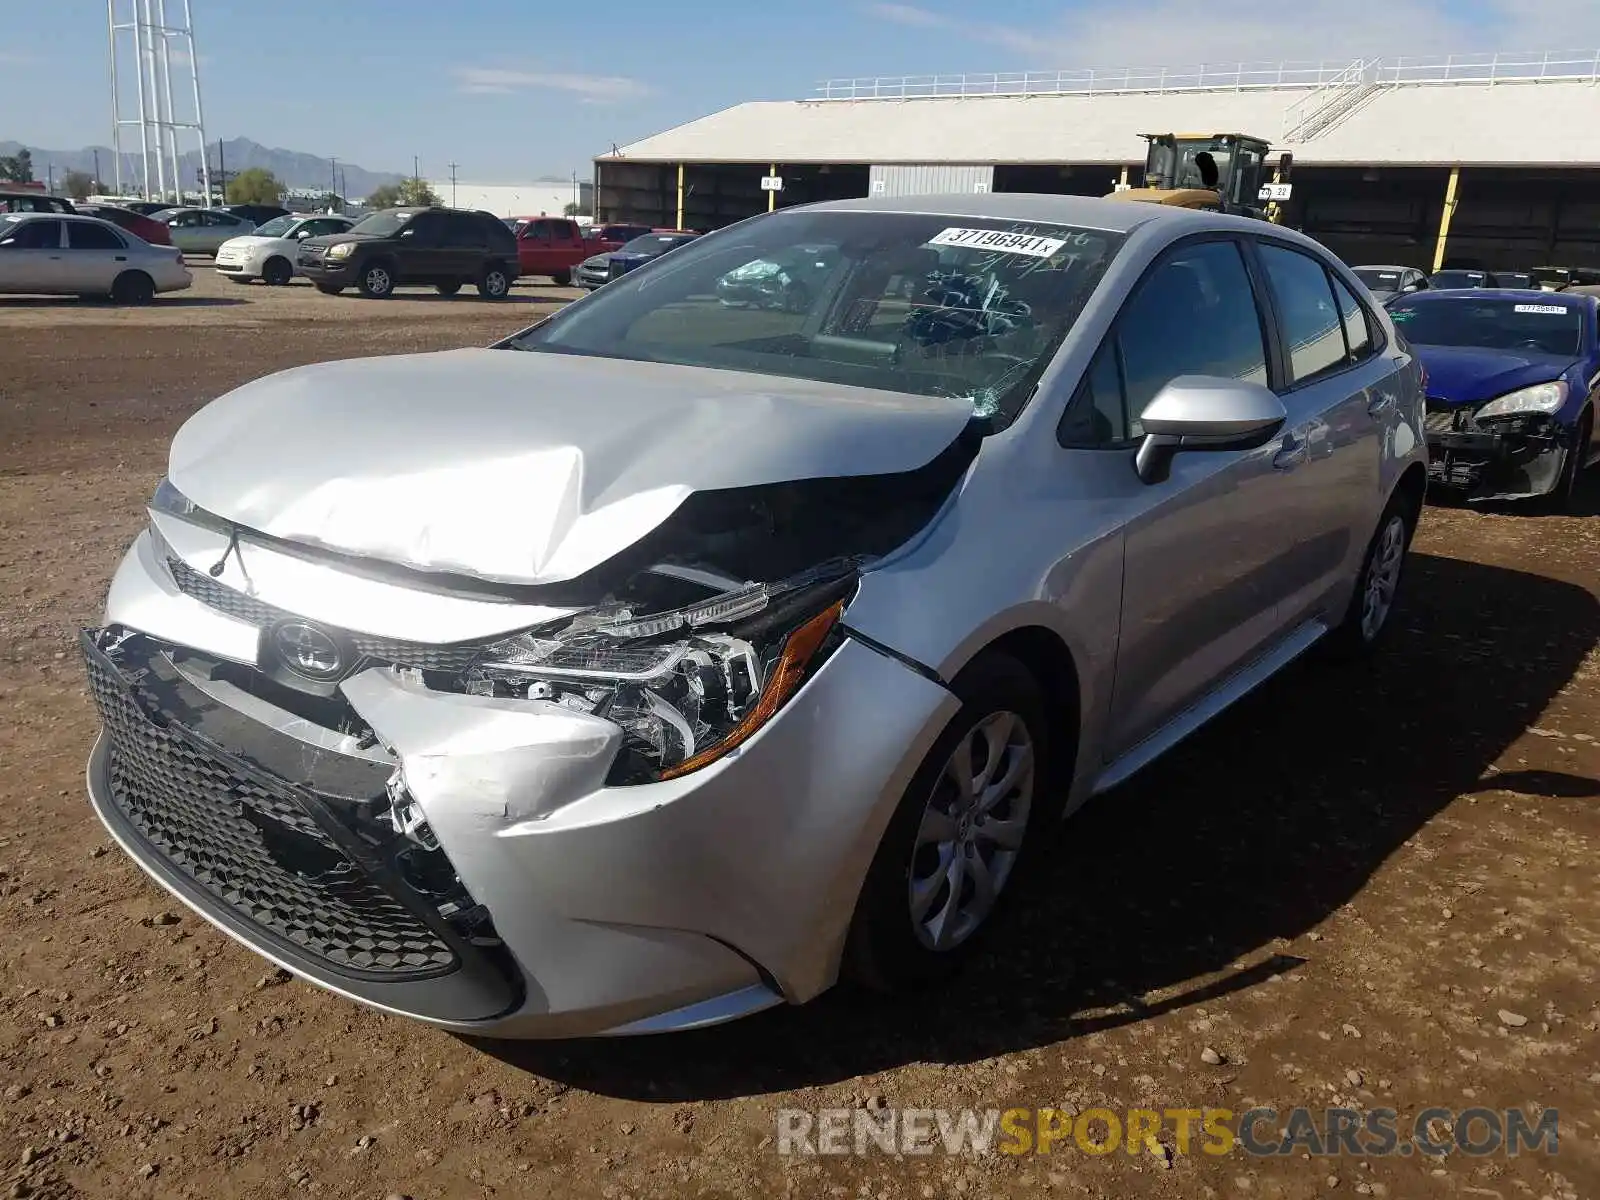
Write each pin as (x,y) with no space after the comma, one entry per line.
(462,859)
(1503,460)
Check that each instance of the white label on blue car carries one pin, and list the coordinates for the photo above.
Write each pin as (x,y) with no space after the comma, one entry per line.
(1552,310)
(996,239)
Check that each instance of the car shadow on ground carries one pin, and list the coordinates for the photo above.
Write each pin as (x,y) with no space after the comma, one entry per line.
(162,301)
(1259,827)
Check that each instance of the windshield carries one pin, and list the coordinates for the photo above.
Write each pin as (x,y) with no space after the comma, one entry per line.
(165,214)
(971,308)
(382,224)
(1517,279)
(655,243)
(1379,279)
(278,227)
(1492,325)
(1459,279)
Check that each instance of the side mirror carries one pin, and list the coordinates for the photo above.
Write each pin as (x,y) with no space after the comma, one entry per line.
(1203,412)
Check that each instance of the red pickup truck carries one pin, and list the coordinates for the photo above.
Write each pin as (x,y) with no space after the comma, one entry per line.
(551,246)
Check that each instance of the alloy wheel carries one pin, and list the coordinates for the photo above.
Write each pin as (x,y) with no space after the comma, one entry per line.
(1383,577)
(972,830)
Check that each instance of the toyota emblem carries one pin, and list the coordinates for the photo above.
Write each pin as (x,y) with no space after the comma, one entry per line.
(308,651)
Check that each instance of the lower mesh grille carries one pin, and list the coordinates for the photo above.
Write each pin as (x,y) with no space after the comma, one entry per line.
(254,847)
(234,603)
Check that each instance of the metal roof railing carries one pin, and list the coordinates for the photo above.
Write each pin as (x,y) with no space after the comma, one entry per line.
(1517,67)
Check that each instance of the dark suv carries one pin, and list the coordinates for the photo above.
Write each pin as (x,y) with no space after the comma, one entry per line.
(446,247)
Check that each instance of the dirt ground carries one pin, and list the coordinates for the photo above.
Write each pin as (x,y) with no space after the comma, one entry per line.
(1373,885)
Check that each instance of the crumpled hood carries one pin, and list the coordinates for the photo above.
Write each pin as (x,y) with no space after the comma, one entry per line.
(524,467)
(1468,375)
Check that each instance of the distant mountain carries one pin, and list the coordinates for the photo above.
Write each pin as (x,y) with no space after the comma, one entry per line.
(293,168)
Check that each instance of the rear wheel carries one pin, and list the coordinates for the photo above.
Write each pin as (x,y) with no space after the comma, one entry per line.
(276,272)
(447,289)
(494,283)
(133,287)
(1378,586)
(959,834)
(377,281)
(561,278)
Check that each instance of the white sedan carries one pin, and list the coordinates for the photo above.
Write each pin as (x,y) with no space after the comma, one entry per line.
(269,253)
(57,255)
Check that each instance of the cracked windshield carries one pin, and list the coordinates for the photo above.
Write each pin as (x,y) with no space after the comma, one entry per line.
(959,307)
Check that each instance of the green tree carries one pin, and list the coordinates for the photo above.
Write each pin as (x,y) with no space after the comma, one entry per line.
(573,209)
(77,184)
(408,193)
(254,185)
(18,167)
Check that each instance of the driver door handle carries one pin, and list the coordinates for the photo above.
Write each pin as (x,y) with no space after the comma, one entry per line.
(1292,454)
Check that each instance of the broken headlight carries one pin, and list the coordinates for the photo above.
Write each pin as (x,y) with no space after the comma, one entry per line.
(686,686)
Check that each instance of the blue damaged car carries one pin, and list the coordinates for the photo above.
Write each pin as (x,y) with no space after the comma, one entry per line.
(1511,388)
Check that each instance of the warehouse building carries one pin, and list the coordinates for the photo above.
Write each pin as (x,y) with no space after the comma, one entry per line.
(1498,153)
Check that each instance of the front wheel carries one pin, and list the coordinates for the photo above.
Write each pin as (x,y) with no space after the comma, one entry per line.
(962,828)
(1378,586)
(377,281)
(447,289)
(1559,498)
(494,283)
(561,278)
(329,289)
(276,272)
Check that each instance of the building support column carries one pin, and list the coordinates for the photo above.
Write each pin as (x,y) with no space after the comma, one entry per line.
(679,225)
(772,197)
(1123,181)
(1450,200)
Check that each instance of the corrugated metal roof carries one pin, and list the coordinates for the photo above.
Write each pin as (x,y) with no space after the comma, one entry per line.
(1536,124)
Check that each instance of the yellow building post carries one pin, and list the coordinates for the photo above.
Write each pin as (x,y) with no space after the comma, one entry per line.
(1444,221)
(772,197)
(679,225)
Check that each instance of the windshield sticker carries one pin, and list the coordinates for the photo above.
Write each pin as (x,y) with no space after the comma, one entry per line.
(1552,310)
(1402,314)
(995,239)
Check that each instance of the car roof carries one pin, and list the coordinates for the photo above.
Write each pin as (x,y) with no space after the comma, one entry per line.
(1445,296)
(1112,216)
(1383,267)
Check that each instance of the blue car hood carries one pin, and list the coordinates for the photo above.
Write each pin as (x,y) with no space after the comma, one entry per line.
(1468,375)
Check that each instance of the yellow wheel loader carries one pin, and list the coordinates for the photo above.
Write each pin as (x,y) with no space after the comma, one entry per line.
(1214,172)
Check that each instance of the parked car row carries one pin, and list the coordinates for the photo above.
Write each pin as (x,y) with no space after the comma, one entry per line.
(62,254)
(1388,282)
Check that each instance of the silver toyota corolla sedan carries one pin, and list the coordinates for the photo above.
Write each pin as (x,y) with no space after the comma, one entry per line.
(671,659)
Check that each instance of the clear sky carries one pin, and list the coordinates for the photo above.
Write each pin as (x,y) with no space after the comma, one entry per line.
(512,89)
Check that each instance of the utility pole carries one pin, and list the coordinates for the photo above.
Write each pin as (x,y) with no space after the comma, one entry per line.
(453,185)
(97,188)
(333,175)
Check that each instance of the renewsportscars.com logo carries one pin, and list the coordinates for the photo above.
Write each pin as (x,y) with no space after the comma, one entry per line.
(1262,1132)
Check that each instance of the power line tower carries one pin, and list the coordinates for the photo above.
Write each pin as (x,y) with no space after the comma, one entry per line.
(155,90)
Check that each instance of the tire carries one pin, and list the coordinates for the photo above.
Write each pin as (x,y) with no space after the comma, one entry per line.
(907,907)
(447,289)
(562,279)
(377,280)
(1371,608)
(276,271)
(133,287)
(495,282)
(329,289)
(1559,498)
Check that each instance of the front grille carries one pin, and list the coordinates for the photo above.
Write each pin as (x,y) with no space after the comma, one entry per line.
(252,844)
(234,603)
(1439,422)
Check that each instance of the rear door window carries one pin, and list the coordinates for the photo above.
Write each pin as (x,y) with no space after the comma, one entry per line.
(1313,330)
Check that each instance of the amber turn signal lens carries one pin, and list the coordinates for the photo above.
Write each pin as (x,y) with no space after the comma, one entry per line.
(798,651)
